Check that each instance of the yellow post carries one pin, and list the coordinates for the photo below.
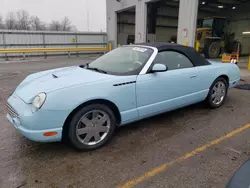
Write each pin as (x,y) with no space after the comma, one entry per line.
(110,46)
(197,46)
(185,43)
(249,62)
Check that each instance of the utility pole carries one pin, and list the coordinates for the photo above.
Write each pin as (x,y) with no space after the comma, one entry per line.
(87,14)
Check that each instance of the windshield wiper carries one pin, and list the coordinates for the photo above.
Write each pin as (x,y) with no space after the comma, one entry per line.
(84,65)
(97,70)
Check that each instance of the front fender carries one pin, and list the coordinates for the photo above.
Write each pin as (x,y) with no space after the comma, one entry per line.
(123,96)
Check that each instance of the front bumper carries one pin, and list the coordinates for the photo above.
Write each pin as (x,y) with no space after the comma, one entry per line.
(34,125)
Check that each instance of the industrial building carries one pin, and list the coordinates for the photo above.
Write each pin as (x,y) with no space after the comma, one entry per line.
(130,21)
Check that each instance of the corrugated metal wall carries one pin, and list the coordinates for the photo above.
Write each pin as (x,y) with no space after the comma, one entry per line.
(34,39)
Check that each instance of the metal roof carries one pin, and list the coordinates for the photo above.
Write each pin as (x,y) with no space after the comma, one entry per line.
(211,5)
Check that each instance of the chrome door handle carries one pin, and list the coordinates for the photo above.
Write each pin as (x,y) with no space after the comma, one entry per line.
(194,76)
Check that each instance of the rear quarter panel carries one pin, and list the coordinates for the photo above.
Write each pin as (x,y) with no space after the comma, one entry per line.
(208,74)
(231,70)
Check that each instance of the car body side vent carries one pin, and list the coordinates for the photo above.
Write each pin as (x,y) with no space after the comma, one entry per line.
(54,76)
(125,83)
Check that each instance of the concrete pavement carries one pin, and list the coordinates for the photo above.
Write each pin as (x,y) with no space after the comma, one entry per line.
(136,149)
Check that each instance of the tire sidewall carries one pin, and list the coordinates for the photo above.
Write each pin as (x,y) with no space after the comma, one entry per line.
(218,49)
(207,45)
(209,98)
(78,115)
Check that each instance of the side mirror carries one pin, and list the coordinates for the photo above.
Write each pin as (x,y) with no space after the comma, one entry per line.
(159,68)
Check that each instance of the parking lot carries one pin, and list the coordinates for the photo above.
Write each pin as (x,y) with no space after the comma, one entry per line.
(190,147)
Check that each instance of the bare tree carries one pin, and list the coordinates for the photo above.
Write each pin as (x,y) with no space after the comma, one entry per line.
(55,26)
(23,20)
(37,24)
(10,21)
(66,24)
(1,22)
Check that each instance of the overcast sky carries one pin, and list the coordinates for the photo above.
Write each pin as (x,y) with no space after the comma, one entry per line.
(75,10)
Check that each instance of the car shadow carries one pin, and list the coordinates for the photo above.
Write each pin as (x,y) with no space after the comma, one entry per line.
(133,135)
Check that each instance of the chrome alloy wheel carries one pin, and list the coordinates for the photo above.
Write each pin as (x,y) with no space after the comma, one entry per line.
(93,127)
(218,93)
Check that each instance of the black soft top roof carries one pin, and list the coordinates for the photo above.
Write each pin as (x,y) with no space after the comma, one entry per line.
(190,52)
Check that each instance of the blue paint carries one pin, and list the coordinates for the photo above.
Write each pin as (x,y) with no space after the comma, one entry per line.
(145,95)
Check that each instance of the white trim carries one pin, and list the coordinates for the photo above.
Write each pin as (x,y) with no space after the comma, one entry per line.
(150,61)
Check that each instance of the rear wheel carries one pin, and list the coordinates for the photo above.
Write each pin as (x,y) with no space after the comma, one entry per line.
(217,93)
(92,127)
(212,48)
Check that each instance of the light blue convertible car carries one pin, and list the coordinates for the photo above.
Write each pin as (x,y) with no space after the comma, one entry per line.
(84,104)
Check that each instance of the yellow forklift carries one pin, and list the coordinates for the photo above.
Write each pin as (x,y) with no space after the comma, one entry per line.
(214,37)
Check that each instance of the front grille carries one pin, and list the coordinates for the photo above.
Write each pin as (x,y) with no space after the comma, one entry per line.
(11,111)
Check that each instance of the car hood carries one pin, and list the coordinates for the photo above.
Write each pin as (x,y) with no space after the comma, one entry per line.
(51,80)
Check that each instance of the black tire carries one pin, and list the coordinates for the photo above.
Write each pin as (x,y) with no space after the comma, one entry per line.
(209,45)
(72,136)
(209,99)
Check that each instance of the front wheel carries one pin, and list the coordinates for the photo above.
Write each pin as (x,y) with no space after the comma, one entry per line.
(217,93)
(212,49)
(92,127)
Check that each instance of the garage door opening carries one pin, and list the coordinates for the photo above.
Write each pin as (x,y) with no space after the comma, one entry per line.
(126,27)
(220,25)
(162,21)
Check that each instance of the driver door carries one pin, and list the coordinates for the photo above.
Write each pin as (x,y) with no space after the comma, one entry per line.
(164,91)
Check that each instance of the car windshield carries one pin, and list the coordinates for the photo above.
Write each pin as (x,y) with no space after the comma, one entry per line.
(122,60)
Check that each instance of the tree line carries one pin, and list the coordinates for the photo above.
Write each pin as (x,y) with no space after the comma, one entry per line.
(21,20)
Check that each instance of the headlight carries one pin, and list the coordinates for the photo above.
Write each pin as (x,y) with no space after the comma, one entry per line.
(39,100)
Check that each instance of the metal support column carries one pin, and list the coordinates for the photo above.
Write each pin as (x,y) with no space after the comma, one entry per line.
(44,45)
(141,22)
(76,39)
(4,45)
(111,24)
(188,11)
